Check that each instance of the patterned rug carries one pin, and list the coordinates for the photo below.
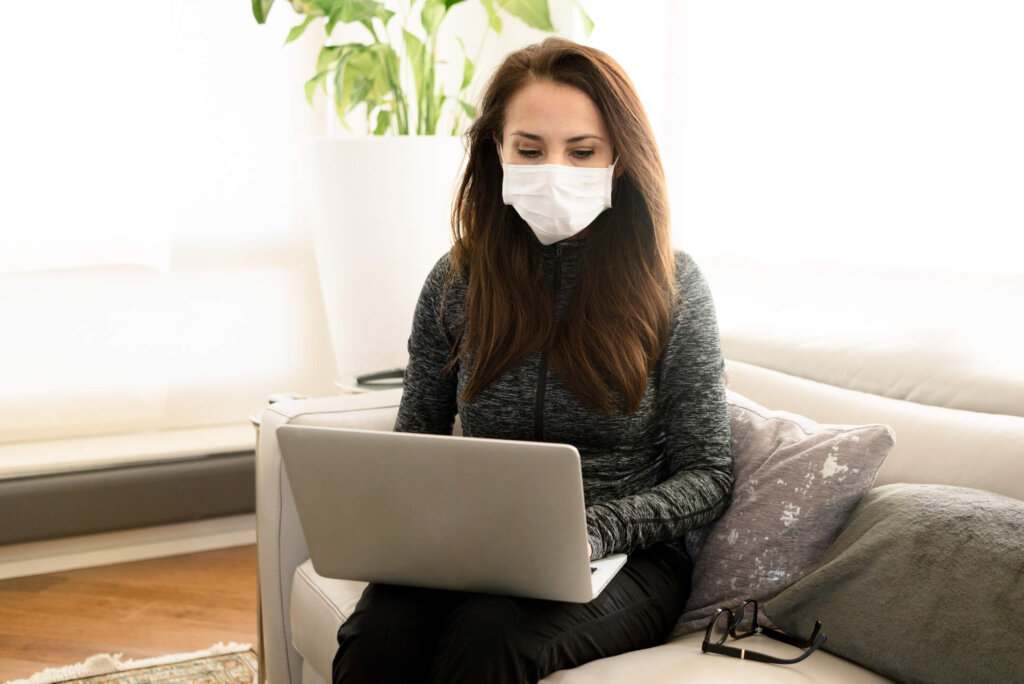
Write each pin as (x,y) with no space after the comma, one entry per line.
(220,664)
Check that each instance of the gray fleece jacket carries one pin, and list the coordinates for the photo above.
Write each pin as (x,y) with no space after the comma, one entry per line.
(648,477)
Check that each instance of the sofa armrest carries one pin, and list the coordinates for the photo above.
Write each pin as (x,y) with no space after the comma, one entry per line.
(281,546)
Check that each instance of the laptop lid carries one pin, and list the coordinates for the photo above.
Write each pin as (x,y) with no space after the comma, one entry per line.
(459,513)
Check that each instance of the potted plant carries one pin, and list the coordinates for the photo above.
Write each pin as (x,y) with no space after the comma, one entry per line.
(377,197)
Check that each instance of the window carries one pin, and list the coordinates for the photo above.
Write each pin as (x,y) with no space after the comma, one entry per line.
(150,274)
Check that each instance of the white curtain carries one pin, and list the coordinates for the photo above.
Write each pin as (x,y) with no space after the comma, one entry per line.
(150,274)
(874,132)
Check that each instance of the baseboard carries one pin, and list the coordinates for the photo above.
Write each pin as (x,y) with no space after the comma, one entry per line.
(58,555)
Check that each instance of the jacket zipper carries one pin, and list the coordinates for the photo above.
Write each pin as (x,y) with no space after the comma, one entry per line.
(542,379)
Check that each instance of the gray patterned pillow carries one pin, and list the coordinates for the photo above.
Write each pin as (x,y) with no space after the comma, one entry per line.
(796,483)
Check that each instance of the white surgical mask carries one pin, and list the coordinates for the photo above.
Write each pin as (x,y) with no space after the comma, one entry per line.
(556,201)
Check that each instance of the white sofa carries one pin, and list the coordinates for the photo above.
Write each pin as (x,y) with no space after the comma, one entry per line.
(956,443)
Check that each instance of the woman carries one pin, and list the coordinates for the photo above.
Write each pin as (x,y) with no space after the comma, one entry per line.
(561,314)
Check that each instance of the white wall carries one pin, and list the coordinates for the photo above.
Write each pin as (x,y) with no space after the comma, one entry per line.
(873,132)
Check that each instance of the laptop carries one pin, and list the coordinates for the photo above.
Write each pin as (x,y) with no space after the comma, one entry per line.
(457,513)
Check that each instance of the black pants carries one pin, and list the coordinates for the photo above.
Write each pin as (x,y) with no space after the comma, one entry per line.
(407,634)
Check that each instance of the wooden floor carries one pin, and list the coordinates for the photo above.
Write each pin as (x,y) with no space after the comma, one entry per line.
(142,609)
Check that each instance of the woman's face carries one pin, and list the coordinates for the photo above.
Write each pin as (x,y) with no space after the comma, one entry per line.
(554,123)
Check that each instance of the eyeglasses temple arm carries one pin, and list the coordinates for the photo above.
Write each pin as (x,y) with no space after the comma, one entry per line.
(793,640)
(760,657)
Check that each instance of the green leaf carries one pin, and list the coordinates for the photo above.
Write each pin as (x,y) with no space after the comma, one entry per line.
(383,122)
(260,8)
(416,52)
(384,15)
(468,108)
(366,74)
(360,10)
(362,86)
(341,117)
(388,82)
(311,84)
(381,68)
(448,4)
(467,74)
(343,84)
(492,15)
(431,15)
(358,78)
(314,8)
(351,11)
(588,23)
(328,56)
(298,30)
(533,13)
(384,67)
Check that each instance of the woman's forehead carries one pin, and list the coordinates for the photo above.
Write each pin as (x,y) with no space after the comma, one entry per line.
(553,112)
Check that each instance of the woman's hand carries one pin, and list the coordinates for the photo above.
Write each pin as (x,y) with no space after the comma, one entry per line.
(590,550)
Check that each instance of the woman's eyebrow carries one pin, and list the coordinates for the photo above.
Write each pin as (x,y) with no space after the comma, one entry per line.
(575,138)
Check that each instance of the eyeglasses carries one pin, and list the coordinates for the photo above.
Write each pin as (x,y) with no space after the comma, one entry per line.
(743,624)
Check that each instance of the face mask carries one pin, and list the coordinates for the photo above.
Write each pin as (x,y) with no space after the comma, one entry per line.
(556,201)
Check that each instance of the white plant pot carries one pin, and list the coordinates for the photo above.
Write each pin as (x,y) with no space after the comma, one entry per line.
(379,210)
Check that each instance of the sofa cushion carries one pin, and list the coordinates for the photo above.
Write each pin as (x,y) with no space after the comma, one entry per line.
(318,608)
(925,583)
(681,661)
(796,482)
(319,605)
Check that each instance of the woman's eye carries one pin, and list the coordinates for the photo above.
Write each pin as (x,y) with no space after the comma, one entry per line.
(534,154)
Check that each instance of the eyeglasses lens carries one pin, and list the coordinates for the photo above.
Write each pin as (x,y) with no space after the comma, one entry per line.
(720,627)
(747,619)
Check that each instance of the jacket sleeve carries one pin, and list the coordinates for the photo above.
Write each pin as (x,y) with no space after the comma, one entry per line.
(429,395)
(695,417)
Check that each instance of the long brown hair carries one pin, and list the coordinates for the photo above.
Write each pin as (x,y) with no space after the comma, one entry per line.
(618,319)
